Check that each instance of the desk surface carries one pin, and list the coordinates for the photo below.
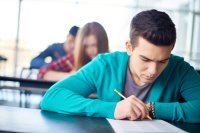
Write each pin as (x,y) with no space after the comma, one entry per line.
(7,78)
(14,119)
(29,82)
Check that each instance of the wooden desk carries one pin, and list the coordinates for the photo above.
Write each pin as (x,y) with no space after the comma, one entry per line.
(14,119)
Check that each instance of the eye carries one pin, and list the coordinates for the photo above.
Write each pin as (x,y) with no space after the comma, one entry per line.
(145,60)
(162,62)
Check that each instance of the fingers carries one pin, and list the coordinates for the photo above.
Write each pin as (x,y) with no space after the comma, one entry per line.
(143,104)
(133,115)
(139,107)
(131,108)
(136,111)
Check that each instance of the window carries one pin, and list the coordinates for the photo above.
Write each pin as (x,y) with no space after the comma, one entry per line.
(43,22)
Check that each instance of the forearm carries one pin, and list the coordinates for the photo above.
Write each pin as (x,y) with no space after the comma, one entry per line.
(186,112)
(37,63)
(65,101)
(56,76)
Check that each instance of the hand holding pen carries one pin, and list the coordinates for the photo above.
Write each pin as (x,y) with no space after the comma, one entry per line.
(131,108)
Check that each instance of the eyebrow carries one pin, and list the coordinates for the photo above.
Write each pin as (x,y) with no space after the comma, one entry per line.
(153,60)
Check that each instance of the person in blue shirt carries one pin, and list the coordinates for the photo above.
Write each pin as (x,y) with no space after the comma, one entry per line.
(56,50)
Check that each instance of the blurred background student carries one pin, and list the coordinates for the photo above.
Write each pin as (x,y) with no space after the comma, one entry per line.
(91,40)
(56,50)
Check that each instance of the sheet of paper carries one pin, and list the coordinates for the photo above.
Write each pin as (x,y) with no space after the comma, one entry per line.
(150,126)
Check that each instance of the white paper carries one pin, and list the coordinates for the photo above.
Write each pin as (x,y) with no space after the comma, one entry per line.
(146,126)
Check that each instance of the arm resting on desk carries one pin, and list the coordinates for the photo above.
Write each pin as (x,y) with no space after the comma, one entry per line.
(188,111)
(56,76)
(69,96)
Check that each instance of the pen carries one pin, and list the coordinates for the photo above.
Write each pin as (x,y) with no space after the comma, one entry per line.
(125,98)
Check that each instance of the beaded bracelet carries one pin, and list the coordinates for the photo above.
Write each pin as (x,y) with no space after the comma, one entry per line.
(152,110)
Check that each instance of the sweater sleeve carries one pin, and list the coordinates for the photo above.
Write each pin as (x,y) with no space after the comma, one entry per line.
(69,96)
(39,61)
(187,111)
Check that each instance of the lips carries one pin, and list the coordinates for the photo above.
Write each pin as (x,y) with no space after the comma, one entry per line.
(147,78)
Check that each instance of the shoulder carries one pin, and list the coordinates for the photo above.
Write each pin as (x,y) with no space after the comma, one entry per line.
(176,58)
(57,45)
(178,62)
(177,65)
(113,55)
(112,58)
(108,62)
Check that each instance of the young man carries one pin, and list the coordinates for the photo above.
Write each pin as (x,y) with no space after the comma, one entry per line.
(148,75)
(56,50)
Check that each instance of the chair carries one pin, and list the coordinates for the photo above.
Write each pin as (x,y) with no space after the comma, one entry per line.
(28,73)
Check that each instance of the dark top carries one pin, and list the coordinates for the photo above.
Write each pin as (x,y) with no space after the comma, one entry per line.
(54,51)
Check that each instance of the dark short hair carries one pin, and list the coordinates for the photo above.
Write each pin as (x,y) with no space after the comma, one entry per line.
(154,26)
(73,30)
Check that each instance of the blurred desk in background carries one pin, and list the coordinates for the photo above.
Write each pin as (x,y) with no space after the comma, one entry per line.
(25,86)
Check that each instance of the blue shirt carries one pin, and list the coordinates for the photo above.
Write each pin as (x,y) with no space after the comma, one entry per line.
(54,51)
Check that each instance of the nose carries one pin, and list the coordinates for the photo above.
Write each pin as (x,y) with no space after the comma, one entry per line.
(152,69)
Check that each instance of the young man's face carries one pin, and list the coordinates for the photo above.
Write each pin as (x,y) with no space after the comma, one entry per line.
(69,43)
(147,61)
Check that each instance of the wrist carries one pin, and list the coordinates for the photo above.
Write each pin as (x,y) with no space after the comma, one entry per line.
(151,108)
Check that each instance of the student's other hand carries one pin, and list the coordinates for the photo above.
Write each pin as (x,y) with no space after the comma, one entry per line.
(130,108)
(56,75)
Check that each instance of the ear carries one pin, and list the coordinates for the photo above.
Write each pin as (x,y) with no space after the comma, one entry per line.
(129,47)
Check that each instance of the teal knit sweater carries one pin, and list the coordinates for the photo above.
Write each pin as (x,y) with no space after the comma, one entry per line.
(176,92)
